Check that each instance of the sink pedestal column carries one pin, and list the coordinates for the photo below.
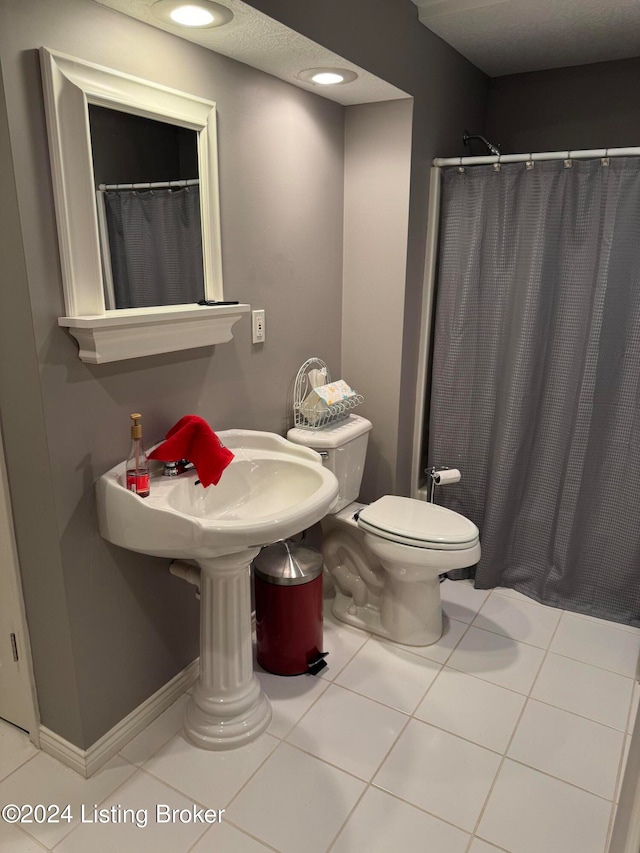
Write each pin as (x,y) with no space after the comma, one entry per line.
(227,708)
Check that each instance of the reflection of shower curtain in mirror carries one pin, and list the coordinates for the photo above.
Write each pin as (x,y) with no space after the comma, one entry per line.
(155,243)
(536,377)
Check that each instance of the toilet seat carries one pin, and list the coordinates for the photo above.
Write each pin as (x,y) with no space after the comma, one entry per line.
(418,524)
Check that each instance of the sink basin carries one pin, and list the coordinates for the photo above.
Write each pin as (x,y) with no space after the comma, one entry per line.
(271,490)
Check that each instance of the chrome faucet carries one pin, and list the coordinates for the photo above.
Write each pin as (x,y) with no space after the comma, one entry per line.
(172,469)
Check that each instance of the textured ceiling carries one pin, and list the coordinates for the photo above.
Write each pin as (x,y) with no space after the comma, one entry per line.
(257,40)
(510,36)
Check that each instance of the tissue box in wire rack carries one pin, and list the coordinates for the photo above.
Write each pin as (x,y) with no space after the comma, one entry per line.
(329,400)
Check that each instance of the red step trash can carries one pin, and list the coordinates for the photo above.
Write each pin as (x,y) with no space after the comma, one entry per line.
(288,595)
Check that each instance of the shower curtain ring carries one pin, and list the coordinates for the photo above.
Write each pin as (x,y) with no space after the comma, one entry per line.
(529,163)
(460,167)
(605,160)
(497,166)
(568,163)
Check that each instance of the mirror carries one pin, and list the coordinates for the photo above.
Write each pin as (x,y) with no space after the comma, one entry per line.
(148,205)
(80,99)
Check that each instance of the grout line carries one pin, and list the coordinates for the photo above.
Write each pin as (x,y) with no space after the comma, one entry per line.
(173,788)
(631,717)
(612,818)
(351,630)
(121,785)
(282,739)
(369,638)
(634,630)
(372,784)
(258,768)
(204,805)
(394,707)
(78,825)
(355,693)
(518,760)
(559,779)
(594,665)
(348,818)
(490,843)
(409,649)
(73,827)
(459,736)
(24,763)
(622,767)
(330,763)
(34,840)
(368,783)
(484,680)
(302,715)
(176,731)
(576,714)
(140,769)
(506,592)
(324,761)
(543,701)
(213,829)
(507,636)
(391,748)
(420,809)
(513,733)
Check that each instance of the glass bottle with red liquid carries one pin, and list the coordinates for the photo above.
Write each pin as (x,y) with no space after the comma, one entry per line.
(137,462)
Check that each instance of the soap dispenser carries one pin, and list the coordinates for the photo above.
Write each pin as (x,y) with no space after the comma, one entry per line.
(137,462)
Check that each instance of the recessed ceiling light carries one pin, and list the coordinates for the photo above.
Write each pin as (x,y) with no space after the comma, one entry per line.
(191,16)
(327,76)
(198,14)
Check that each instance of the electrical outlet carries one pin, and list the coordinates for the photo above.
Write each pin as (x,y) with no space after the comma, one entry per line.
(258,331)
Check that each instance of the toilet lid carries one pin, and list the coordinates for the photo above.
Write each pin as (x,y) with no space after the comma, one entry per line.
(417,523)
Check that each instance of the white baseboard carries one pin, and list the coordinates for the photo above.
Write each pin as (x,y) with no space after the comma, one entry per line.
(87,761)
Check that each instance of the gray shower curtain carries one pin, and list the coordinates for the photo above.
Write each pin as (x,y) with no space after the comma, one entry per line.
(155,243)
(536,377)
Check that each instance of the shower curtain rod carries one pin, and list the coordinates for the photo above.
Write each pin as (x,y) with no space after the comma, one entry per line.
(153,185)
(545,155)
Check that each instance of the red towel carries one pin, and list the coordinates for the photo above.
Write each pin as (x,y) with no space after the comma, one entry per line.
(192,438)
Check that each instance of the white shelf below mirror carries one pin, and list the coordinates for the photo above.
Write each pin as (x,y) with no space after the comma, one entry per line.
(136,332)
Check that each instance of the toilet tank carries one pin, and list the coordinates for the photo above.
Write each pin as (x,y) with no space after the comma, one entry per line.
(343,447)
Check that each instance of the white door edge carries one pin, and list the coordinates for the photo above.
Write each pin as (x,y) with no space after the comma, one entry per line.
(24,709)
(626,828)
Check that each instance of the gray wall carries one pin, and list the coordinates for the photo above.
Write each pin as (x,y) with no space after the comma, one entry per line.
(586,106)
(27,453)
(386,38)
(376,212)
(109,627)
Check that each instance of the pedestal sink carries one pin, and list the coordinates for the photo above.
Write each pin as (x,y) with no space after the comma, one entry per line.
(272,490)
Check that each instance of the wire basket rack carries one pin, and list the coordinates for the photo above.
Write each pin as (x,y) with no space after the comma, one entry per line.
(316,416)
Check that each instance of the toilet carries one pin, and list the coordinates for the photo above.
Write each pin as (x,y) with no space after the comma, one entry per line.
(385,558)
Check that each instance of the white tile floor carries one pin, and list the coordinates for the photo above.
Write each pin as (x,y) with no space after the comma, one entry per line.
(509,734)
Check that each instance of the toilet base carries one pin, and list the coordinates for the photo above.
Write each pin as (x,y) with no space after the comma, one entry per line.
(387,588)
(369,618)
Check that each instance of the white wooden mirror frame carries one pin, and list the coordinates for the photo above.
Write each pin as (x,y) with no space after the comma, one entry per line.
(71,84)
